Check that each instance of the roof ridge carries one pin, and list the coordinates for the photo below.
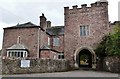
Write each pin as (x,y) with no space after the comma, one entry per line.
(25,24)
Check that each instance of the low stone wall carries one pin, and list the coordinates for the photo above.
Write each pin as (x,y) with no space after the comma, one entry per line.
(36,66)
(112,64)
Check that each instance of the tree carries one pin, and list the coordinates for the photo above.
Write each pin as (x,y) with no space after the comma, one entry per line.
(113,43)
(0,52)
(110,46)
(101,48)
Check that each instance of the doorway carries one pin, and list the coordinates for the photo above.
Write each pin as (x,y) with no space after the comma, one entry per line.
(85,58)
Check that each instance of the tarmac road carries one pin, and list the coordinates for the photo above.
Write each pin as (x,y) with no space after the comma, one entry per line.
(77,73)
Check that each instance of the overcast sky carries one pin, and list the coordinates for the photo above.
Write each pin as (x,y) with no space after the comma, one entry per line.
(22,11)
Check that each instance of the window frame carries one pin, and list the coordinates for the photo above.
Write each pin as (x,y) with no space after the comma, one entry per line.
(61,56)
(84,30)
(17,53)
(57,42)
(49,43)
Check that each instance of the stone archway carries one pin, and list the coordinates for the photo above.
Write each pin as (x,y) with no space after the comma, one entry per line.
(84,58)
(90,51)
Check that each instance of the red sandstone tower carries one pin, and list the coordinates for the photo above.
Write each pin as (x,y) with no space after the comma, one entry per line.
(84,29)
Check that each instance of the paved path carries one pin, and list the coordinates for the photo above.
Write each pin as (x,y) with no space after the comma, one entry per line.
(77,73)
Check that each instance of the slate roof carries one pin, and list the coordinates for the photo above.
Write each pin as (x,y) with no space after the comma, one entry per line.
(45,47)
(28,24)
(17,46)
(55,30)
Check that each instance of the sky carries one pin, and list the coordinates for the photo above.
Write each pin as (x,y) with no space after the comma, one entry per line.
(13,12)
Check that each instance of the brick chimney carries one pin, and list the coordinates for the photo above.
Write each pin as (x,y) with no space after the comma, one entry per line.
(48,24)
(43,22)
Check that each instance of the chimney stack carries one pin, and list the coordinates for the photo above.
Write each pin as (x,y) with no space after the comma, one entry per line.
(43,22)
(48,24)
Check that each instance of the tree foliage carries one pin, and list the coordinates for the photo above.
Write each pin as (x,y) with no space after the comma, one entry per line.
(110,45)
(0,52)
(101,48)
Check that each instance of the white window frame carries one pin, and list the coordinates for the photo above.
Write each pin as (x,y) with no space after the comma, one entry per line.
(61,54)
(48,41)
(17,53)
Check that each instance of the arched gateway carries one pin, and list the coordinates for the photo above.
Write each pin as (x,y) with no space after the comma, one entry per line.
(85,57)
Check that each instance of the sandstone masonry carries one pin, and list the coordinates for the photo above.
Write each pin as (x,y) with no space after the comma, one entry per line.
(84,28)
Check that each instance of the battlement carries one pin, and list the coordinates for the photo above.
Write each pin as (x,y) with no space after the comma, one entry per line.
(101,3)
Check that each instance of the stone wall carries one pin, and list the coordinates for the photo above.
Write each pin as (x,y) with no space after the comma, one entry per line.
(0,63)
(36,66)
(112,64)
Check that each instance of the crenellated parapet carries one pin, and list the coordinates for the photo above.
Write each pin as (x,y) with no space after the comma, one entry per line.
(97,5)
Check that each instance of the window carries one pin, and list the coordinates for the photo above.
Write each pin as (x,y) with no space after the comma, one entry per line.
(61,56)
(21,54)
(48,41)
(19,40)
(56,41)
(17,54)
(84,30)
(12,54)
